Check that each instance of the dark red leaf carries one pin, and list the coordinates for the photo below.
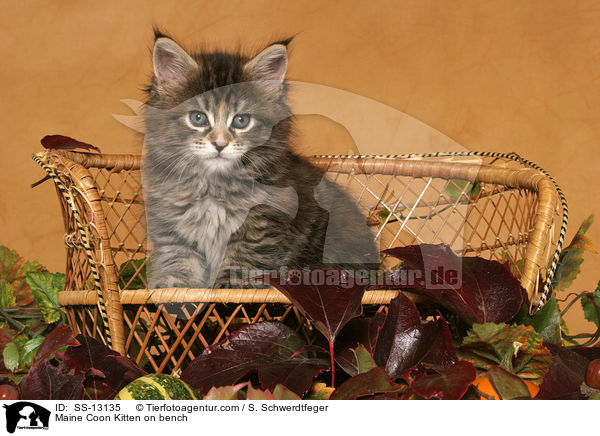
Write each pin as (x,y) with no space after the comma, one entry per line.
(47,382)
(476,289)
(362,331)
(442,352)
(328,306)
(566,375)
(269,348)
(60,142)
(60,337)
(449,384)
(359,331)
(405,341)
(590,353)
(373,382)
(106,371)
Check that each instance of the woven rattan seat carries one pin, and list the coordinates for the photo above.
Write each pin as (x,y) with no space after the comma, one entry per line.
(480,205)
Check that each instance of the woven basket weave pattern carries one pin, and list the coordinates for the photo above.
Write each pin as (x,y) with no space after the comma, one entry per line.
(491,208)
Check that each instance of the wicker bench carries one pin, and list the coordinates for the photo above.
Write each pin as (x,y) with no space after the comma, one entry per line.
(479,204)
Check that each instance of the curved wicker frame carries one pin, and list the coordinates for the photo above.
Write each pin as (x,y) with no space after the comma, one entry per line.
(510,218)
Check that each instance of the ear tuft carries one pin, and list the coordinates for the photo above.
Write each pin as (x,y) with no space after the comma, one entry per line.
(285,42)
(159,33)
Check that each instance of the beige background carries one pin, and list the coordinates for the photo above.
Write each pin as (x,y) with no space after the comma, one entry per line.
(495,75)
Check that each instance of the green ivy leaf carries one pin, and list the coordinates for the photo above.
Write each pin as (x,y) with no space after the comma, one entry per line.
(508,386)
(11,356)
(572,257)
(517,348)
(364,359)
(355,360)
(45,287)
(30,349)
(7,294)
(546,322)
(516,267)
(591,306)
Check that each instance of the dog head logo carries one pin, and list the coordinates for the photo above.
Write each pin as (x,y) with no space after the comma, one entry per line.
(26,415)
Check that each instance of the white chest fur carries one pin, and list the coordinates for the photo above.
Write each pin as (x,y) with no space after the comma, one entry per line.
(208,222)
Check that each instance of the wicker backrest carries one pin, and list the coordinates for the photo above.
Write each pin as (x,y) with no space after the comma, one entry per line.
(489,207)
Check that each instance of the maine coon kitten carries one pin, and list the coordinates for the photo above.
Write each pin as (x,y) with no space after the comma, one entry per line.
(223,189)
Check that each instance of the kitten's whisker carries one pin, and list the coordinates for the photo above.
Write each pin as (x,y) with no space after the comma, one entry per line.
(184,169)
(158,163)
(175,165)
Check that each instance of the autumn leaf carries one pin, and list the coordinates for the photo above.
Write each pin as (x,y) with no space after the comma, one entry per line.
(571,257)
(591,306)
(355,360)
(447,384)
(105,371)
(319,391)
(268,348)
(329,306)
(7,294)
(477,290)
(546,321)
(280,392)
(13,270)
(517,348)
(45,287)
(60,337)
(566,376)
(507,385)
(47,382)
(404,341)
(61,142)
(375,381)
(233,392)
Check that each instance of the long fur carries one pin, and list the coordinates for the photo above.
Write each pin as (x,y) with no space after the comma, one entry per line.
(269,209)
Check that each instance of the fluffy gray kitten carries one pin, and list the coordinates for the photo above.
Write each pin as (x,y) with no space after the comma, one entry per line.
(224,191)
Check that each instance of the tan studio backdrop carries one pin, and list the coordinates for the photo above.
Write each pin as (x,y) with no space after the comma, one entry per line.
(507,76)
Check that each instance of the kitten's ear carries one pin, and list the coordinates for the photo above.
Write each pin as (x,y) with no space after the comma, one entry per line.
(171,63)
(269,65)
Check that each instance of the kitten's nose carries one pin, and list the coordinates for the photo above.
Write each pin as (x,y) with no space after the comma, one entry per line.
(220,144)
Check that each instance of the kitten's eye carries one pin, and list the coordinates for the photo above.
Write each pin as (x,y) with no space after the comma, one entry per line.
(198,119)
(240,121)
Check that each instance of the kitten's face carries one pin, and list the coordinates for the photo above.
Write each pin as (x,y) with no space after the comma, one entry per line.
(220,126)
(215,128)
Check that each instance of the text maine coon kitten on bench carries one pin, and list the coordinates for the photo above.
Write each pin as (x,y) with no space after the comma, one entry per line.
(224,191)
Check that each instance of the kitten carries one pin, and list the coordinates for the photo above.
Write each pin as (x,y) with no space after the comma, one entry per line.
(224,191)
